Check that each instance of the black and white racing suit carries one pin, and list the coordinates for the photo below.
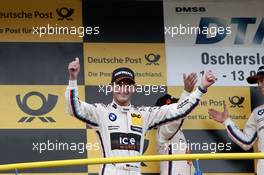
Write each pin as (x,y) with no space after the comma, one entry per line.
(121,129)
(253,130)
(171,140)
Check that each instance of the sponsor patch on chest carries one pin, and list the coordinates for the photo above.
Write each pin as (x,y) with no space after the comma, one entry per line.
(125,141)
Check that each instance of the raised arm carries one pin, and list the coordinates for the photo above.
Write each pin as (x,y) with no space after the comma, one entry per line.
(177,111)
(189,82)
(168,131)
(79,109)
(246,138)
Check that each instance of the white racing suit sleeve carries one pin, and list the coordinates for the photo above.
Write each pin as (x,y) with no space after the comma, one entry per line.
(176,111)
(168,131)
(79,109)
(184,95)
(246,138)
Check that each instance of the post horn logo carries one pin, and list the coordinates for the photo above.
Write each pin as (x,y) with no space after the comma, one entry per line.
(236,101)
(152,59)
(46,107)
(65,13)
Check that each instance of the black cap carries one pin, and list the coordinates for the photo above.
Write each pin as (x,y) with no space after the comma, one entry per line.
(254,79)
(166,100)
(123,73)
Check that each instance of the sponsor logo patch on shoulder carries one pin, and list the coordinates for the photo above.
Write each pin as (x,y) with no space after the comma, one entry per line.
(136,122)
(261,112)
(136,119)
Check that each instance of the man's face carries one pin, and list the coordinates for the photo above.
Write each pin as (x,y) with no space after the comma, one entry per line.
(261,85)
(123,91)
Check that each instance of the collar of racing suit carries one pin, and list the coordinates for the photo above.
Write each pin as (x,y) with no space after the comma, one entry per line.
(121,108)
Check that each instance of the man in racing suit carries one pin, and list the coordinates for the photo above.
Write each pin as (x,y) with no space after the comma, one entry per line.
(254,128)
(170,138)
(121,126)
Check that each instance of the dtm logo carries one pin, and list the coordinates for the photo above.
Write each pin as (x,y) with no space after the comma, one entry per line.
(236,101)
(241,32)
(190,9)
(112,117)
(65,13)
(46,107)
(152,59)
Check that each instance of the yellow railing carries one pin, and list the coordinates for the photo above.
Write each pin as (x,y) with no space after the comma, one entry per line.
(152,158)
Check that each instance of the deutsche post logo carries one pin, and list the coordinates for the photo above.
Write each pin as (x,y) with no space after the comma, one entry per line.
(65,13)
(47,105)
(152,59)
(236,101)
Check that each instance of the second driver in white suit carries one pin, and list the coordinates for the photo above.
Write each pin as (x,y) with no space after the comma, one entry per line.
(170,138)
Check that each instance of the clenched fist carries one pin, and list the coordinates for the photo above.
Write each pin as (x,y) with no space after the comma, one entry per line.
(208,79)
(74,69)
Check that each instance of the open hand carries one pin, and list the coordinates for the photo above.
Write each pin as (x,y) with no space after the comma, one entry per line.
(189,81)
(218,116)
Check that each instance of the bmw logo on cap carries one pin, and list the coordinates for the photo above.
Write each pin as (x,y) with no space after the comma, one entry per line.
(112,117)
